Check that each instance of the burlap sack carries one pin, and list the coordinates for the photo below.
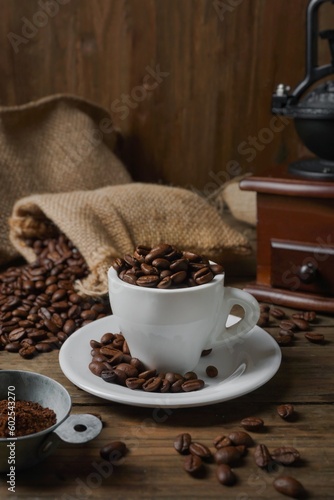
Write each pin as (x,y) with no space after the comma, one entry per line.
(57,144)
(109,222)
(241,204)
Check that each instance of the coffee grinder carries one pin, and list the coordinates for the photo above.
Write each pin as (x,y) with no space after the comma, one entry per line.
(295,209)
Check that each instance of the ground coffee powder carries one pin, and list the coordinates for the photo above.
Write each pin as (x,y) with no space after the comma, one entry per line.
(29,418)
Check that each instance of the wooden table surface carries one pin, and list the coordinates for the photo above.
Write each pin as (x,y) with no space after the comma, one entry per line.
(153,469)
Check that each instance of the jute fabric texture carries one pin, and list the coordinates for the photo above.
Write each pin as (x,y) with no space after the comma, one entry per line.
(56,144)
(110,222)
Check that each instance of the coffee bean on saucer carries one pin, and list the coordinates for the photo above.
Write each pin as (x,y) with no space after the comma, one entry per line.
(211,371)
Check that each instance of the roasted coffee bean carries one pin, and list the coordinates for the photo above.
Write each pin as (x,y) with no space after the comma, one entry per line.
(263,320)
(107,338)
(173,377)
(150,280)
(43,347)
(183,268)
(288,325)
(108,376)
(285,455)
(277,313)
(27,351)
(114,451)
(203,276)
(286,411)
(193,465)
(147,374)
(128,369)
(165,386)
(177,386)
(190,376)
(240,437)
(178,277)
(165,283)
(97,367)
(310,316)
(228,455)
(284,333)
(221,441)
(152,384)
(134,382)
(289,486)
(217,268)
(225,475)
(17,334)
(12,346)
(262,456)
(301,324)
(252,423)
(69,326)
(192,385)
(315,338)
(182,442)
(161,263)
(284,340)
(211,371)
(201,450)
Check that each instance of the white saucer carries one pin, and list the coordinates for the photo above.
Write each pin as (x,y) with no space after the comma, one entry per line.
(249,364)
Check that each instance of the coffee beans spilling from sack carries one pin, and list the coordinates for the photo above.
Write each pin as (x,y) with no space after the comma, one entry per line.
(39,307)
(112,361)
(164,267)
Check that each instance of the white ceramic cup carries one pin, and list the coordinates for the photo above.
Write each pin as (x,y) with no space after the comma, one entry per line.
(168,329)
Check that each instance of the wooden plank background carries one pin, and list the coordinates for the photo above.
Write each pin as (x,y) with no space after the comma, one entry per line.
(216,63)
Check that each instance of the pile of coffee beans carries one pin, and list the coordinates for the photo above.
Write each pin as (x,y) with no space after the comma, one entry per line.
(230,449)
(39,307)
(164,267)
(112,361)
(298,323)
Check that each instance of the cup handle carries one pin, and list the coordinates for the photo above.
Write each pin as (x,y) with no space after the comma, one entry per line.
(232,297)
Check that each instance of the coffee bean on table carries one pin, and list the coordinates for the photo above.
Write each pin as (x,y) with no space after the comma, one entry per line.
(225,475)
(289,486)
(114,451)
(221,441)
(277,313)
(286,411)
(285,455)
(241,437)
(200,450)
(228,455)
(182,442)
(301,324)
(252,423)
(288,325)
(193,465)
(262,456)
(315,338)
